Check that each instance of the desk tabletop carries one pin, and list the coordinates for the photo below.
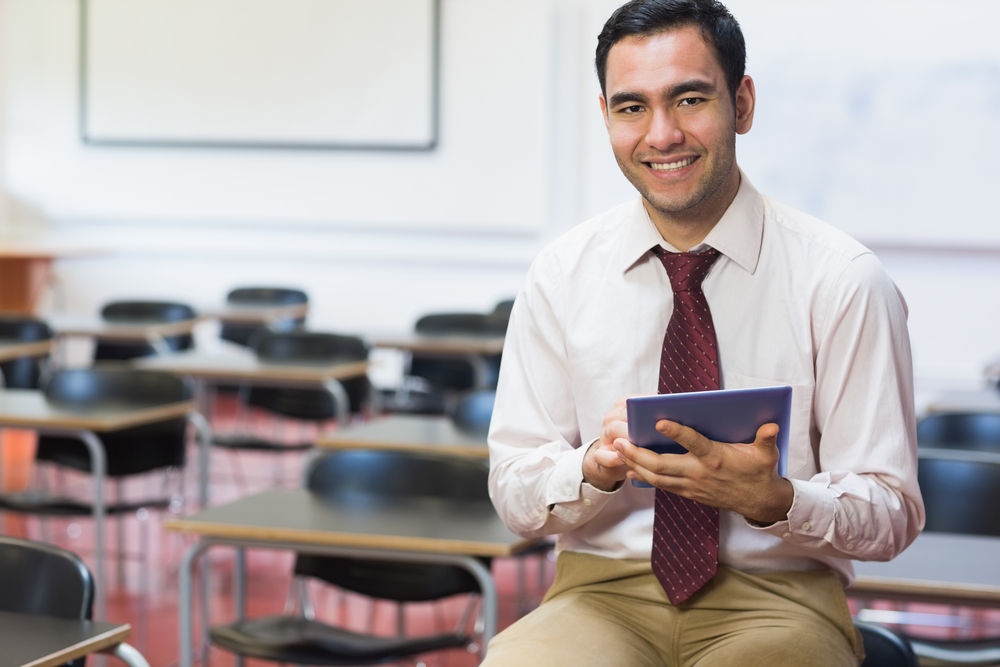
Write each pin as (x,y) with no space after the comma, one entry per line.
(30,640)
(295,515)
(255,314)
(76,325)
(985,400)
(15,349)
(484,345)
(243,365)
(426,433)
(942,567)
(28,408)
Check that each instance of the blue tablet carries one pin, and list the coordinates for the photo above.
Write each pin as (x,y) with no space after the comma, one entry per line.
(727,415)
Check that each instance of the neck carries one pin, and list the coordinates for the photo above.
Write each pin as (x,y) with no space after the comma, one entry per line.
(686,229)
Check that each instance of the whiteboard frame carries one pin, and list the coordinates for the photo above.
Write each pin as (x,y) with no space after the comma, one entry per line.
(431,145)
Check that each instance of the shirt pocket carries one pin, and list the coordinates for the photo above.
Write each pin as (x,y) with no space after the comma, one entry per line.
(801,452)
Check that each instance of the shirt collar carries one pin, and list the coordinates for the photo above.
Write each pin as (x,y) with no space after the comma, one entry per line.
(737,235)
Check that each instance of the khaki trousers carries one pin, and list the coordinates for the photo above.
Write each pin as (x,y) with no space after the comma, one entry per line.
(602,611)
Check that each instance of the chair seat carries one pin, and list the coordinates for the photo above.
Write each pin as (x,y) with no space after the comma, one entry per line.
(959,652)
(43,504)
(260,444)
(301,641)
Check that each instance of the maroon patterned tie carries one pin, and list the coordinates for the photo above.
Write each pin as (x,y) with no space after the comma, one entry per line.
(685,532)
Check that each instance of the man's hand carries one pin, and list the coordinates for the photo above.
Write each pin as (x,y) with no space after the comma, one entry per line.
(603,468)
(739,477)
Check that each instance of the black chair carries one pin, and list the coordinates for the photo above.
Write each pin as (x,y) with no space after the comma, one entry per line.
(959,489)
(23,373)
(369,476)
(502,310)
(318,405)
(129,451)
(240,332)
(142,312)
(885,648)
(474,410)
(433,381)
(960,430)
(38,578)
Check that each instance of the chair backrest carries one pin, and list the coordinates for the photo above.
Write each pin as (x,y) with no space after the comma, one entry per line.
(22,373)
(503,309)
(960,430)
(885,648)
(85,388)
(461,324)
(146,311)
(958,489)
(142,312)
(307,347)
(241,332)
(129,451)
(38,578)
(371,475)
(389,474)
(474,410)
(266,296)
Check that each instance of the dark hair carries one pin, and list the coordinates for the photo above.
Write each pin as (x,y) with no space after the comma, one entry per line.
(651,17)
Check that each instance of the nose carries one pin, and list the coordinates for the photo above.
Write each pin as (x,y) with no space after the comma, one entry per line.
(663,131)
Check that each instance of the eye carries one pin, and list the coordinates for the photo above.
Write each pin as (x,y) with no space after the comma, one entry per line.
(691,101)
(632,109)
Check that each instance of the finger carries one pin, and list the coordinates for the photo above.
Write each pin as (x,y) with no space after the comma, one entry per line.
(613,431)
(767,436)
(686,437)
(607,458)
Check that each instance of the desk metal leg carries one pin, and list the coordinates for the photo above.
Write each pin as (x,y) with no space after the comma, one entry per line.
(98,465)
(186,584)
(204,451)
(129,655)
(341,403)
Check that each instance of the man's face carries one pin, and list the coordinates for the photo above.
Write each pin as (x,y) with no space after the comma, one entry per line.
(672,123)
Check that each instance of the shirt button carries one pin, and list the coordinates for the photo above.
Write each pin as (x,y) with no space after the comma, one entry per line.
(806,526)
(786,535)
(849,546)
(588,502)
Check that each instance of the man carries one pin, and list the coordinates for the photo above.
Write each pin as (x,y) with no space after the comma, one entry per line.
(772,297)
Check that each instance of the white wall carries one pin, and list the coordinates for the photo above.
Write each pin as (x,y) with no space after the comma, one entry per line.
(379,238)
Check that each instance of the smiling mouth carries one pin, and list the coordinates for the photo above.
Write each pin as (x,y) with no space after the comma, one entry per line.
(672,166)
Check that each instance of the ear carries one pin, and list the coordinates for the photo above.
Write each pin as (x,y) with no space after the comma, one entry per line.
(746,100)
(604,111)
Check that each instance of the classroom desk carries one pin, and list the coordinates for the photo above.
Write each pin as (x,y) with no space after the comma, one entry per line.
(406,529)
(30,640)
(470,348)
(153,333)
(435,434)
(985,400)
(16,349)
(29,409)
(234,366)
(939,568)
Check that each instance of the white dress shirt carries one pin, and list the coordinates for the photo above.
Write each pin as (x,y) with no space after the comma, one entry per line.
(794,302)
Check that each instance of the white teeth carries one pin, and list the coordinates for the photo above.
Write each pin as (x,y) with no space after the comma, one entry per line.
(671,166)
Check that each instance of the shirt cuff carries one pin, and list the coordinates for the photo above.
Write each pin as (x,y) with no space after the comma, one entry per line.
(810,517)
(568,496)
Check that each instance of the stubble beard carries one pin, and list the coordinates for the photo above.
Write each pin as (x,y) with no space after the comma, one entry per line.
(711,186)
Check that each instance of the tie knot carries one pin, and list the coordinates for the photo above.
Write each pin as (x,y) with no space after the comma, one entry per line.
(686,270)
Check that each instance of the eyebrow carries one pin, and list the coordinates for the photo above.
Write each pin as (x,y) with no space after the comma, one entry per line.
(689,86)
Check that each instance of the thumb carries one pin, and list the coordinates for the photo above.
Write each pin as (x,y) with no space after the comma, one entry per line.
(767,436)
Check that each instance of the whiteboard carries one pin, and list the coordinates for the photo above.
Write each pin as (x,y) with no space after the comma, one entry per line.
(260,73)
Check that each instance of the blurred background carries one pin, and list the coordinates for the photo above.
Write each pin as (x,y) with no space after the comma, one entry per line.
(198,151)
